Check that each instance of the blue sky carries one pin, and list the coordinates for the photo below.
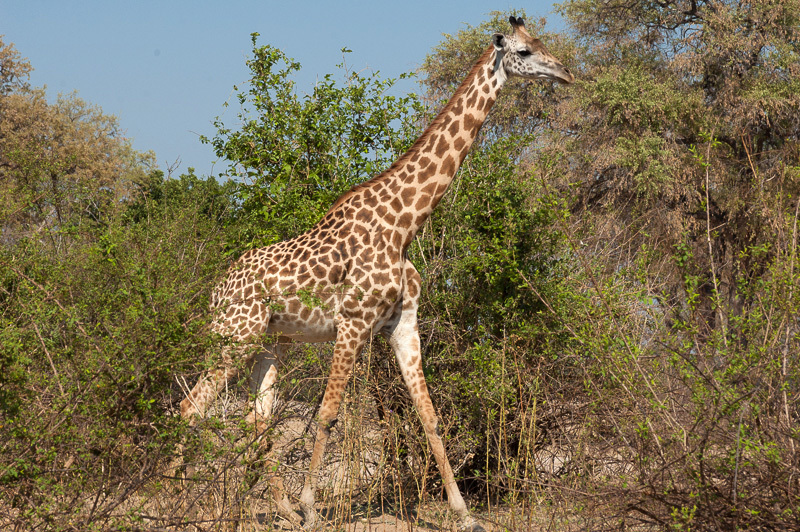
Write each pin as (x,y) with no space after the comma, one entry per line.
(166,68)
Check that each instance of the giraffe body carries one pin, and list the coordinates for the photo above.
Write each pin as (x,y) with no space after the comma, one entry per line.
(348,277)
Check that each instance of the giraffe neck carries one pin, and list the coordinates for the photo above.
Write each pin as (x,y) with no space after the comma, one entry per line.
(416,182)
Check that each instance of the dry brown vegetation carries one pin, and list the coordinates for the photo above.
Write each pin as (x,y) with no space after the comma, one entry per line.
(609,319)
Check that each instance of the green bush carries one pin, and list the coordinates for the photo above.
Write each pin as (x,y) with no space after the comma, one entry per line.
(95,336)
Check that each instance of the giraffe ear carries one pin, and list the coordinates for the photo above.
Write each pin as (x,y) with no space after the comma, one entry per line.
(499,41)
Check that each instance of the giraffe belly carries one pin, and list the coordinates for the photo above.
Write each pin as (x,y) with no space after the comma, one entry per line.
(302,319)
(315,321)
(317,326)
(324,331)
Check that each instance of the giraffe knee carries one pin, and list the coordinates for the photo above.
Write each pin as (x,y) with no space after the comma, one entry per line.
(432,426)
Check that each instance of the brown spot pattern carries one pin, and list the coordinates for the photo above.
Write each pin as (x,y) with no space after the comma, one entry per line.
(348,277)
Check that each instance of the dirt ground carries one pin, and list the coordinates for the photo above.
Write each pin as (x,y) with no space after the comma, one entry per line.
(353,467)
(432,518)
(350,457)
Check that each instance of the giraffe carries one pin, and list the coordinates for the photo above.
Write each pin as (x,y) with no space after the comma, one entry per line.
(348,277)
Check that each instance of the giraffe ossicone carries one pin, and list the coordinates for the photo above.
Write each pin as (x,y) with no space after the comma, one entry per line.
(348,277)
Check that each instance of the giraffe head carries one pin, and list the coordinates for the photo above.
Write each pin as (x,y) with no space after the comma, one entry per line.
(522,55)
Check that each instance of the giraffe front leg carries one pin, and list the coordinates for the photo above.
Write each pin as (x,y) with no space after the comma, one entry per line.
(350,338)
(404,339)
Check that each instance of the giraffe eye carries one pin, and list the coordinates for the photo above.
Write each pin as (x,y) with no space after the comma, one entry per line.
(524,53)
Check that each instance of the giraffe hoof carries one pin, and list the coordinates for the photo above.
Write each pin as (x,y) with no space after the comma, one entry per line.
(310,525)
(309,517)
(294,520)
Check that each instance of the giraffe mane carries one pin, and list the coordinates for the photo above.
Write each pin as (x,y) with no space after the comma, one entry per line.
(423,138)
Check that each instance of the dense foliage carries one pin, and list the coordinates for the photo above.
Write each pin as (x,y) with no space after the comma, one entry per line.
(610,302)
(294,155)
(681,149)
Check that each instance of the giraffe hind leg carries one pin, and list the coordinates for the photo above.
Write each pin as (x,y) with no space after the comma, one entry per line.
(207,387)
(194,405)
(196,402)
(241,351)
(262,379)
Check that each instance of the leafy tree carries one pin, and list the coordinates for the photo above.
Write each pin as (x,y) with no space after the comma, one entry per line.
(685,129)
(61,165)
(103,299)
(294,155)
(159,195)
(14,71)
(94,334)
(677,150)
